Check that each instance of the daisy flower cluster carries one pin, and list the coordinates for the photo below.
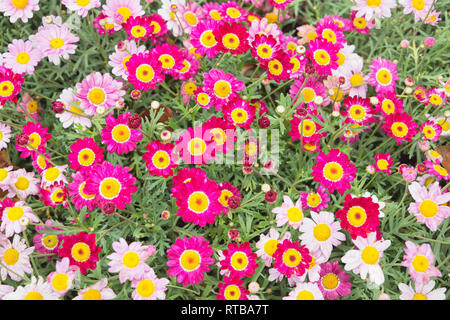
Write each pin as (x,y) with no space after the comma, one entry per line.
(176,149)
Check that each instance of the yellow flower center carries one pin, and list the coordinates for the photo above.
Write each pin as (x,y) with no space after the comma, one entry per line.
(22,183)
(330,281)
(156,27)
(420,263)
(321,57)
(219,136)
(251,148)
(399,129)
(33,295)
(85,195)
(435,99)
(264,51)
(186,66)
(313,200)
(419,296)
(11,256)
(296,64)
(97,96)
(190,260)
(341,58)
(56,43)
(50,241)
(19,4)
(233,12)
(357,112)
(23,58)
(360,23)
(215,15)
(356,216)
(232,292)
(388,106)
(86,157)
(3,174)
(222,89)
(83,3)
(308,94)
(161,159)
(131,259)
(384,76)
(373,3)
(32,106)
(309,128)
(197,146)
(382,164)
(370,255)
(167,61)
(418,4)
(15,213)
(145,73)
(275,67)
(189,88)
(110,188)
(138,31)
(203,99)
(356,80)
(294,214)
(270,246)
(441,170)
(81,252)
(239,115)
(60,282)
(224,196)
(198,202)
(322,232)
(230,41)
(125,12)
(333,171)
(92,294)
(51,174)
(239,261)
(6,88)
(311,35)
(329,35)
(145,288)
(305,295)
(191,18)
(428,208)
(121,133)
(337,94)
(292,258)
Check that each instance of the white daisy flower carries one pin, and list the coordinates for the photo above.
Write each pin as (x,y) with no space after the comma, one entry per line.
(38,289)
(305,291)
(267,245)
(5,136)
(74,112)
(289,213)
(422,291)
(170,11)
(23,183)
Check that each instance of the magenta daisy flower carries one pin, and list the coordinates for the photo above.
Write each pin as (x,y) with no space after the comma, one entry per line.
(195,146)
(436,169)
(231,37)
(54,195)
(430,204)
(189,259)
(203,39)
(128,260)
(436,98)
(118,136)
(170,56)
(232,289)
(420,262)
(358,110)
(10,85)
(205,99)
(183,177)
(310,89)
(227,190)
(81,250)
(239,261)
(19,9)
(38,137)
(388,103)
(334,282)
(81,7)
(160,158)
(279,4)
(223,133)
(21,56)
(239,112)
(158,24)
(334,171)
(138,28)
(323,56)
(361,24)
(79,197)
(329,30)
(383,162)
(221,86)
(190,66)
(264,48)
(232,12)
(122,10)
(291,258)
(306,129)
(119,58)
(383,75)
(400,126)
(111,183)
(85,154)
(278,67)
(144,71)
(420,8)
(315,201)
(99,90)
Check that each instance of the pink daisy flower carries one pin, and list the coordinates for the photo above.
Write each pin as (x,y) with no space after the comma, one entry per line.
(111,183)
(420,262)
(383,75)
(227,190)
(62,278)
(98,291)
(12,217)
(433,18)
(315,201)
(37,289)
(29,106)
(231,38)
(21,56)
(122,10)
(305,291)
(190,66)
(334,282)
(16,257)
(239,261)
(329,30)
(99,90)
(371,8)
(160,158)
(54,195)
(53,174)
(419,8)
(10,85)
(76,190)
(436,169)
(222,86)
(104,24)
(361,24)
(204,98)
(306,129)
(291,259)
(278,68)
(264,48)
(144,71)
(55,42)
(73,112)
(23,183)
(186,176)
(231,12)
(5,136)
(198,202)
(195,146)
(81,7)
(263,27)
(239,112)
(203,38)
(298,62)
(119,58)
(422,291)
(436,98)
(388,104)
(289,213)
(400,126)
(22,9)
(431,130)
(189,259)
(138,28)
(118,136)
(149,287)
(170,56)
(85,154)
(323,56)
(334,171)
(128,260)
(38,137)
(358,110)
(310,89)
(383,162)
(430,204)
(232,289)
(47,244)
(159,26)
(5,178)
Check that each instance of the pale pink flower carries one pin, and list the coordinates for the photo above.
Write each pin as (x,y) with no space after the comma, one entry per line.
(420,262)
(22,57)
(97,291)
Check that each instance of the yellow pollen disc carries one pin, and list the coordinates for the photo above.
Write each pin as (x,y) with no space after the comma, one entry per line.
(356,80)
(156,27)
(224,196)
(86,157)
(310,147)
(384,76)
(291,46)
(305,295)
(292,258)
(388,106)
(445,125)
(56,43)
(329,35)
(264,51)
(23,58)
(33,295)
(19,4)
(341,58)
(3,174)
(251,148)
(85,195)
(356,216)
(232,292)
(215,15)
(419,296)
(167,61)
(275,67)
(121,133)
(313,200)
(22,183)
(296,64)
(186,67)
(373,3)
(161,159)
(428,208)
(81,252)
(110,188)
(14,213)
(333,171)
(189,88)
(399,129)
(203,99)
(230,41)
(357,112)
(145,73)
(145,288)
(322,232)
(190,260)
(131,259)
(92,294)
(441,170)
(32,106)
(219,136)
(138,31)
(233,12)
(312,35)
(270,247)
(97,96)
(75,111)
(321,57)
(198,202)
(124,62)
(191,18)
(239,261)
(6,88)
(337,94)
(60,282)
(418,4)
(34,140)
(360,23)
(197,146)
(330,281)
(50,241)
(420,263)
(125,12)
(83,3)
(294,214)
(370,255)
(222,89)
(271,17)
(11,256)
(239,115)
(435,99)
(308,94)
(382,164)
(309,128)
(208,39)
(51,174)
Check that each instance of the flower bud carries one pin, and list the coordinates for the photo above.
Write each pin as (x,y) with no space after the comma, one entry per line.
(109,208)
(280,109)
(58,106)
(318,100)
(404,44)
(233,234)
(253,287)
(101,110)
(155,104)
(408,90)
(234,202)
(271,196)
(429,42)
(22,139)
(165,215)
(263,122)
(265,187)
(134,121)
